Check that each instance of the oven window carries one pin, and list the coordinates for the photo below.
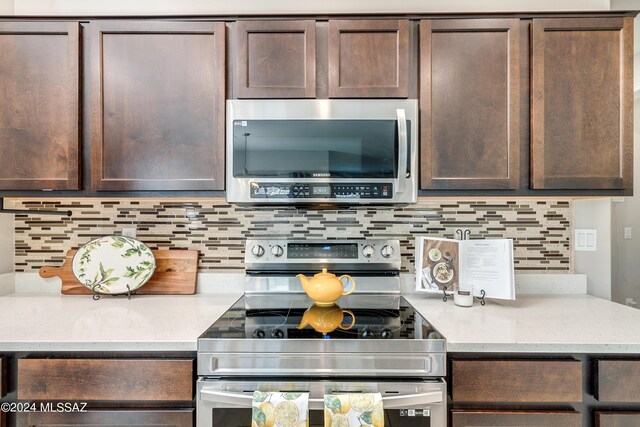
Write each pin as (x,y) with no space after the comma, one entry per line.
(315,148)
(223,417)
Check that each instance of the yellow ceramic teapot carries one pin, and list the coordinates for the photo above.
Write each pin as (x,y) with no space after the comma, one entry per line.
(326,319)
(325,288)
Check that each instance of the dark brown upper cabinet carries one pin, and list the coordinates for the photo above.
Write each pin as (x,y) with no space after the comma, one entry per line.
(157,105)
(368,59)
(470,104)
(582,103)
(275,59)
(39,112)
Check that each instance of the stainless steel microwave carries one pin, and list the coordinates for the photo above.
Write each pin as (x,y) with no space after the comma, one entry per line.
(360,151)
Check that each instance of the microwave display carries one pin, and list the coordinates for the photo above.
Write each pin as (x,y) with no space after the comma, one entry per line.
(316,149)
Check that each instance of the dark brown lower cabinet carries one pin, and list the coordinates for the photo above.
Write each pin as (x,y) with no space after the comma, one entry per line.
(617,419)
(522,381)
(618,381)
(3,376)
(84,380)
(112,418)
(508,418)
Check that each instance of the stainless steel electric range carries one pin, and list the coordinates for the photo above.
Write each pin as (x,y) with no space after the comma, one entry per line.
(268,340)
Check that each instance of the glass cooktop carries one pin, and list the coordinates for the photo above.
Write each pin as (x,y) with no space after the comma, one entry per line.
(295,316)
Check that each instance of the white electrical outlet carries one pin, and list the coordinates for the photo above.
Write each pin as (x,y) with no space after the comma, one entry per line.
(130,232)
(617,199)
(627,232)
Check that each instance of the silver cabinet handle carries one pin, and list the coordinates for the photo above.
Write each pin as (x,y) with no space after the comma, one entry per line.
(402,149)
(389,402)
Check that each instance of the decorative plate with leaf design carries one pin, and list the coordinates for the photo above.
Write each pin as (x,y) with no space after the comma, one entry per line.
(108,264)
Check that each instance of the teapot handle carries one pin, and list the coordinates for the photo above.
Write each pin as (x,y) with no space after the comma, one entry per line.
(353,284)
(353,320)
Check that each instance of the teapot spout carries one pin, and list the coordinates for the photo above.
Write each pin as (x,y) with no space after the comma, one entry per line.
(304,322)
(304,281)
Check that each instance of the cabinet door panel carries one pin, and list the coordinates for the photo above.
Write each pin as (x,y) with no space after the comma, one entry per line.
(275,59)
(582,103)
(470,104)
(509,381)
(158,98)
(368,59)
(3,376)
(617,419)
(112,418)
(510,419)
(618,381)
(105,379)
(39,113)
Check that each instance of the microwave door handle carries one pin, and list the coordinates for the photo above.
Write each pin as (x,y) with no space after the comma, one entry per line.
(402,149)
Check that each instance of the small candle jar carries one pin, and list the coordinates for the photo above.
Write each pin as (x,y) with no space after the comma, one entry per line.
(463,295)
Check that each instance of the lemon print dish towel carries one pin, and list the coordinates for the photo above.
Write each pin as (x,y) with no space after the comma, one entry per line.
(353,409)
(278,409)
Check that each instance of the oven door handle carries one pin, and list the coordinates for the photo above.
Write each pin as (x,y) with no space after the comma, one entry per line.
(389,402)
(403,145)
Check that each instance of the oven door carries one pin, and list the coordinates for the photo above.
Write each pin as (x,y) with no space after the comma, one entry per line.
(321,150)
(224,403)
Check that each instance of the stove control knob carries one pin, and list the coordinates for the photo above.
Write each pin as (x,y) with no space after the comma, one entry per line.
(367,333)
(277,251)
(367,251)
(386,251)
(277,333)
(257,251)
(386,334)
(258,333)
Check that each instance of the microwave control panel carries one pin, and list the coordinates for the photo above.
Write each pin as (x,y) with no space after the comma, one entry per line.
(263,190)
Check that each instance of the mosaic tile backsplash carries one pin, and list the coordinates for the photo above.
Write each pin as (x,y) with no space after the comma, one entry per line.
(541,229)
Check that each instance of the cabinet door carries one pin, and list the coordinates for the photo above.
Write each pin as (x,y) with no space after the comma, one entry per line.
(3,377)
(521,419)
(39,112)
(112,418)
(618,381)
(470,104)
(158,94)
(582,103)
(82,380)
(516,381)
(617,419)
(275,59)
(368,59)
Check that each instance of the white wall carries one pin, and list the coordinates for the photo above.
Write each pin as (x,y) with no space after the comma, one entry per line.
(224,7)
(626,253)
(6,7)
(595,214)
(6,243)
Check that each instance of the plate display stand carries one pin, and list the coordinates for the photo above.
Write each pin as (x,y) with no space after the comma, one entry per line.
(97,295)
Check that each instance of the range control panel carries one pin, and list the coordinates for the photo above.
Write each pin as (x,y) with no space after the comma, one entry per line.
(262,190)
(345,255)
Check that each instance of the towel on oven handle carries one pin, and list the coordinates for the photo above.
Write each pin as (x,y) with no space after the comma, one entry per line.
(280,409)
(353,409)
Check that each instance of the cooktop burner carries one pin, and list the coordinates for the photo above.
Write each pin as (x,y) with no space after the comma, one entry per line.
(295,316)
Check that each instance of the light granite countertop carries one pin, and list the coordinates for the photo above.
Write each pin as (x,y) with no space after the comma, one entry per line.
(535,324)
(54,322)
(532,324)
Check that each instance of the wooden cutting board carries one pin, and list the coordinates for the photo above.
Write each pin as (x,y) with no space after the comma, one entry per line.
(175,274)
